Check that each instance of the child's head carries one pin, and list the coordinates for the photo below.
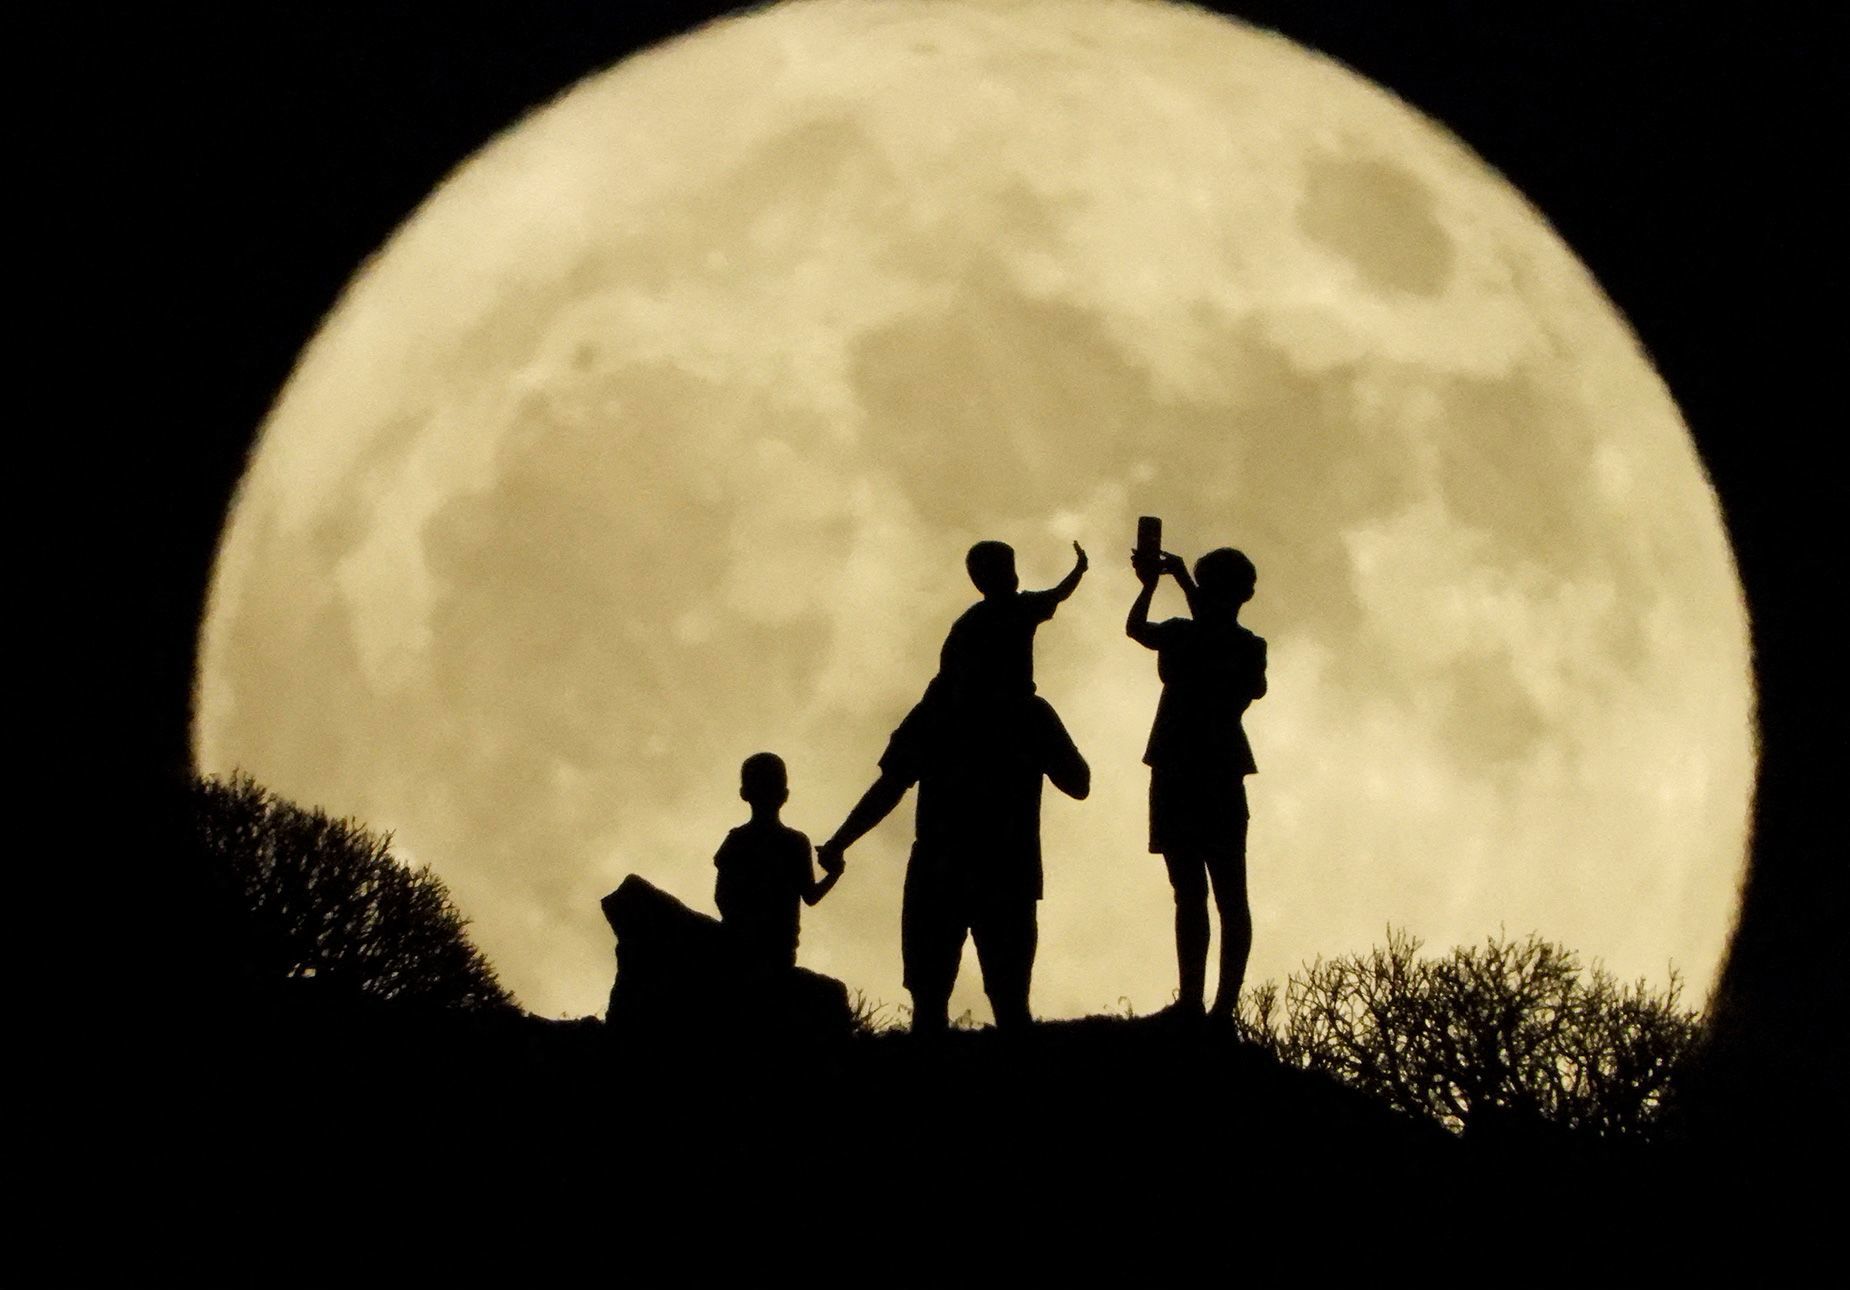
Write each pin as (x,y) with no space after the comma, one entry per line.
(763,781)
(1226,577)
(992,568)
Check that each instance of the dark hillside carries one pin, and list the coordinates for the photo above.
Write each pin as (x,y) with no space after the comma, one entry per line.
(1097,1129)
(297,1097)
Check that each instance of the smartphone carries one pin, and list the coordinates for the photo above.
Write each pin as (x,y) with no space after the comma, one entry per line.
(1149,537)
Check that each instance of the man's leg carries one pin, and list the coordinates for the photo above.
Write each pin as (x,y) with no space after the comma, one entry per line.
(1236,922)
(1006,935)
(931,1011)
(931,941)
(1188,876)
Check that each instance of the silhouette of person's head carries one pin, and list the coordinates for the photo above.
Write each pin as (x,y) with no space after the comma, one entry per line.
(1226,578)
(992,569)
(763,781)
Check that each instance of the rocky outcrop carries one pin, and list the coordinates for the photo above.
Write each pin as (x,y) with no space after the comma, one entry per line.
(678,972)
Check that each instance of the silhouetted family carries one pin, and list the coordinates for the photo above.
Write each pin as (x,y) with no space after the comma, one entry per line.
(978,745)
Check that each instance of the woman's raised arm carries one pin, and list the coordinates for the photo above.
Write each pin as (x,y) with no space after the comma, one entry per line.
(1137,625)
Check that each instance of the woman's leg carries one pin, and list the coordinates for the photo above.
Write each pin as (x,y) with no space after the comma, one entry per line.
(1188,876)
(1236,924)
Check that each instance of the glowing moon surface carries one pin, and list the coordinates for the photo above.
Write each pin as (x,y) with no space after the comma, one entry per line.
(655,438)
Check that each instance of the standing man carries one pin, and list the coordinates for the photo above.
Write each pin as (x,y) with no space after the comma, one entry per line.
(975,867)
(977,745)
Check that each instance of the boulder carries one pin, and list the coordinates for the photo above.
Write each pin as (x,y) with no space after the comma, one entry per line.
(678,973)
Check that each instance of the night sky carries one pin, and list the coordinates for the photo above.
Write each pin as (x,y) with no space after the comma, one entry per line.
(251,160)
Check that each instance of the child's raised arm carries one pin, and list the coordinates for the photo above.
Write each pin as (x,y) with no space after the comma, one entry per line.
(1070,582)
(1065,587)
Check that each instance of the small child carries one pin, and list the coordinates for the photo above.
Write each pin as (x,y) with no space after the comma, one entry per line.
(989,652)
(764,870)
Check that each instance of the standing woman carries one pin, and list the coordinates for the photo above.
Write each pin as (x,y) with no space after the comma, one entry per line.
(1211,668)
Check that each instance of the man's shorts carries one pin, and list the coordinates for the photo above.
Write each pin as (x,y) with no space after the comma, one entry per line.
(940,910)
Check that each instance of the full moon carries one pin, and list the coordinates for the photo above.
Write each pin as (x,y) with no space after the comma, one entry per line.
(655,438)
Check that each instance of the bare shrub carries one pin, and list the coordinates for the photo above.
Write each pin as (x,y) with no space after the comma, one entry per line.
(324,898)
(1508,1029)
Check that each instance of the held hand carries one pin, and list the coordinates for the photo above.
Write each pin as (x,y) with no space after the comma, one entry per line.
(829,855)
(1146,569)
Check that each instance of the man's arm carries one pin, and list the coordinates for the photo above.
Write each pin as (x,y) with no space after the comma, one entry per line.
(1071,775)
(1060,756)
(875,805)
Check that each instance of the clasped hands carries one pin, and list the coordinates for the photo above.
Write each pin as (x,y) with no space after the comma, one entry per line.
(1149,570)
(832,856)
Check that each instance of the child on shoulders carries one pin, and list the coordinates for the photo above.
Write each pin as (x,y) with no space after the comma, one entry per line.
(988,654)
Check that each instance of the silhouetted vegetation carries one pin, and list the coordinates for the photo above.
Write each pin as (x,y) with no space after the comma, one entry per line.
(1501,1036)
(1508,1033)
(314,897)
